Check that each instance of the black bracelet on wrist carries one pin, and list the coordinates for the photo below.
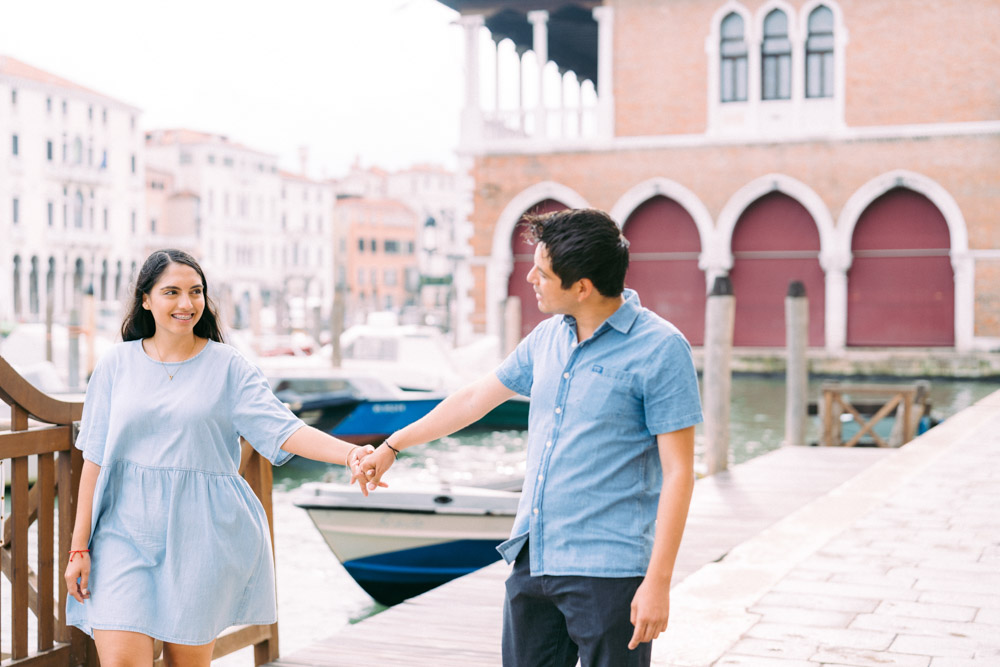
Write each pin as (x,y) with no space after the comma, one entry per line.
(395,452)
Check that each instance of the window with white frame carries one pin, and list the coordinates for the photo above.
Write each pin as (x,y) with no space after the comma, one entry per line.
(733,51)
(776,58)
(777,70)
(819,53)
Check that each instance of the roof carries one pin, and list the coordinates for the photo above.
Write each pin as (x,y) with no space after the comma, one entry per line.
(292,176)
(21,70)
(187,136)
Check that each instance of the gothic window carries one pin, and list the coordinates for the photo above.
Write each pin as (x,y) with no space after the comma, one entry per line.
(733,49)
(776,58)
(819,53)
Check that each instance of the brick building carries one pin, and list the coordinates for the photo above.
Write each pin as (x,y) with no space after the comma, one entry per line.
(853,145)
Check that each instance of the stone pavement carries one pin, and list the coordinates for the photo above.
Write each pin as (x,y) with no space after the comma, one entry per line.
(899,567)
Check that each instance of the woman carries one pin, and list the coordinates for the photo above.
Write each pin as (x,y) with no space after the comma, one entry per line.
(170,543)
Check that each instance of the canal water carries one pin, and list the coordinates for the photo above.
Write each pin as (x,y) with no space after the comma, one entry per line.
(316,596)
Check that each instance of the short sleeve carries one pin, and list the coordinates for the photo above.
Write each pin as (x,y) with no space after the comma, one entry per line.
(670,393)
(516,372)
(260,417)
(96,412)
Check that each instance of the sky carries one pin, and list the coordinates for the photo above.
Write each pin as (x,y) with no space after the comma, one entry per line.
(376,80)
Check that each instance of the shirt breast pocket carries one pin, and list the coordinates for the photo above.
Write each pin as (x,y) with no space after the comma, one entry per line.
(602,390)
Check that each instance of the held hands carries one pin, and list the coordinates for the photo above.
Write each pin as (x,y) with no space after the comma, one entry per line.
(375,464)
(353,463)
(78,575)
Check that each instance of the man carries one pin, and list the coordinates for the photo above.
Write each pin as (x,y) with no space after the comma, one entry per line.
(609,475)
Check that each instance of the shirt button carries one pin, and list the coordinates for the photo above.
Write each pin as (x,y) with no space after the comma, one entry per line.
(566,375)
(541,477)
(536,510)
(558,411)
(548,443)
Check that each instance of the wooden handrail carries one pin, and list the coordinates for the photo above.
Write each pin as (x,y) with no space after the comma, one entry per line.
(908,401)
(48,438)
(15,390)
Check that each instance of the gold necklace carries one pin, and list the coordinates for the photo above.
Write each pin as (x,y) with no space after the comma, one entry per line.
(160,358)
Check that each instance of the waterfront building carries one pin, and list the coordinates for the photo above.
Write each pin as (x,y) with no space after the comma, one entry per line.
(854,146)
(72,195)
(306,251)
(379,254)
(440,201)
(263,236)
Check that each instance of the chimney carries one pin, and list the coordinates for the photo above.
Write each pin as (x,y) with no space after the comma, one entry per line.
(303,159)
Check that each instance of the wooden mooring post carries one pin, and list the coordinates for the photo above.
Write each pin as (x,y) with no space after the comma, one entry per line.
(796,364)
(717,376)
(43,427)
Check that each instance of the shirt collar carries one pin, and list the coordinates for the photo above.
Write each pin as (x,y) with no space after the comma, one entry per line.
(622,319)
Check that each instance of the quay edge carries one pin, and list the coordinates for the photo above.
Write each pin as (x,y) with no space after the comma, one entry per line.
(871,362)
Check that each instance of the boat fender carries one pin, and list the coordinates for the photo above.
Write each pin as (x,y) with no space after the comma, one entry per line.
(443,500)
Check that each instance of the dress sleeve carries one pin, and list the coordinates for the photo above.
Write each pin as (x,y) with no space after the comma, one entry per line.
(96,412)
(260,417)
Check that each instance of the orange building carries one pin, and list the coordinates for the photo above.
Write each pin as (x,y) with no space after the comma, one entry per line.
(850,144)
(379,255)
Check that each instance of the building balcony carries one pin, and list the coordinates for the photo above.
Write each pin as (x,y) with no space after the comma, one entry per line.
(535,79)
(77,174)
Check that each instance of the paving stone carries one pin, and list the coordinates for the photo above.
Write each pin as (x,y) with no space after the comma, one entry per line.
(848,590)
(863,658)
(981,633)
(767,648)
(989,617)
(825,637)
(803,616)
(942,612)
(958,662)
(958,585)
(952,647)
(866,579)
(753,661)
(981,600)
(819,602)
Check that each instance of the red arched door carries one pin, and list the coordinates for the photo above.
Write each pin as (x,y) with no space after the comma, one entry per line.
(775,242)
(663,265)
(524,259)
(900,287)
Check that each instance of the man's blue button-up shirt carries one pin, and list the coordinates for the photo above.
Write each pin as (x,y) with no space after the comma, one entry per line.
(593,473)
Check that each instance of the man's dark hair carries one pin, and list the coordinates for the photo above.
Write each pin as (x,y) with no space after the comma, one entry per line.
(582,243)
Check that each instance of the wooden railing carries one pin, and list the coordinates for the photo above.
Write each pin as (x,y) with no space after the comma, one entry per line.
(43,427)
(868,404)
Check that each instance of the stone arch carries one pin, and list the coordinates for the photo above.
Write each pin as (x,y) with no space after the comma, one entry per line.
(501,260)
(961,260)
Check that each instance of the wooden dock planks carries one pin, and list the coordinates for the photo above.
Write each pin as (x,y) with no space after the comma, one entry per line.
(459,624)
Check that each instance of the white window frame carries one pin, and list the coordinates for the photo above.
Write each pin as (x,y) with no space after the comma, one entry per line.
(775,118)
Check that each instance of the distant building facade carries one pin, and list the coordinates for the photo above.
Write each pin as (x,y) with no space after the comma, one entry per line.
(380,255)
(264,237)
(72,196)
(763,140)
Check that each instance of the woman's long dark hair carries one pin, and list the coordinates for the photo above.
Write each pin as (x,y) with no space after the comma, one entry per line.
(139,323)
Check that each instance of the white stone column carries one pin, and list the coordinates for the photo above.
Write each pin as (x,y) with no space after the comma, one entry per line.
(472,113)
(519,52)
(605,71)
(7,289)
(836,309)
(964,267)
(540,45)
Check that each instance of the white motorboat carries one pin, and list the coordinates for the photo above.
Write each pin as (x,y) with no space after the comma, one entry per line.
(400,542)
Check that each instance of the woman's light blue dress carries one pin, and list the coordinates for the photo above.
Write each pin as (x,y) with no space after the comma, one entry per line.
(179,543)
